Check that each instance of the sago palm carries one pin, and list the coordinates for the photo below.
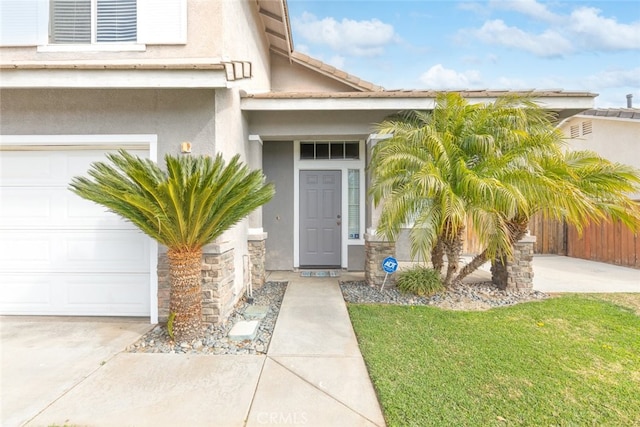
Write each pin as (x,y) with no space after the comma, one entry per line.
(184,208)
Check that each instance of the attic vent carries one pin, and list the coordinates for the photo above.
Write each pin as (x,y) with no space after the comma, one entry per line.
(575,131)
(586,128)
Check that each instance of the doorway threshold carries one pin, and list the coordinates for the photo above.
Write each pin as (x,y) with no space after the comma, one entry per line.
(319,273)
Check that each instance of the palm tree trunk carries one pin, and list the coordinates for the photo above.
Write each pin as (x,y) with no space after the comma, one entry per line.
(475,264)
(453,249)
(437,256)
(185,300)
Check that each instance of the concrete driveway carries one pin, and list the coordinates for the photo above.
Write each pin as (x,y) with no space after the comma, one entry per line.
(558,274)
(43,358)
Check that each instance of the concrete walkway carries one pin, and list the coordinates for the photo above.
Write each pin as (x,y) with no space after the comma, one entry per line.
(59,371)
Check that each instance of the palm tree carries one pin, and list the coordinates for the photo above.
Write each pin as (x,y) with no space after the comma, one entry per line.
(495,165)
(435,172)
(184,208)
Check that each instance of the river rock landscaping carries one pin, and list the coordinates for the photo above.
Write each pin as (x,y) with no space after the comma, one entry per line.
(460,296)
(467,296)
(215,339)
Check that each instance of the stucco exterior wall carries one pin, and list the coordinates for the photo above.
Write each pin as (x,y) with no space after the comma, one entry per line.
(210,120)
(174,115)
(277,215)
(204,25)
(615,139)
(232,138)
(244,40)
(291,77)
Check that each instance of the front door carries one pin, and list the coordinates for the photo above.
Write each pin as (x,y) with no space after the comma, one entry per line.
(320,218)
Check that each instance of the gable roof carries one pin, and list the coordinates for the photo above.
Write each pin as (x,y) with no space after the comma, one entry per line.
(277,28)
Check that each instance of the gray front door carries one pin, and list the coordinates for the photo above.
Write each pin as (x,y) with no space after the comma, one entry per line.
(320,218)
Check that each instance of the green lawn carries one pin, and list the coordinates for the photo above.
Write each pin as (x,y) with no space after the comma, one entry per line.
(567,361)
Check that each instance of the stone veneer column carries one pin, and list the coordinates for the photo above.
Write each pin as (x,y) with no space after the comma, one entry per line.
(376,249)
(257,242)
(218,273)
(516,274)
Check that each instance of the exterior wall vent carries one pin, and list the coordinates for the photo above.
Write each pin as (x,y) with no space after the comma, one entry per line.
(575,131)
(586,128)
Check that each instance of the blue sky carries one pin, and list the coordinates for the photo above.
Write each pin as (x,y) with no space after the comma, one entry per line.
(493,44)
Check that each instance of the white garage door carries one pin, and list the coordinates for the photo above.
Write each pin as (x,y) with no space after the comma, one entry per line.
(61,254)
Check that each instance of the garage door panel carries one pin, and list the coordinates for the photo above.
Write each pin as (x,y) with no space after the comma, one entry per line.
(83,294)
(79,251)
(61,254)
(26,168)
(24,290)
(110,251)
(50,168)
(35,207)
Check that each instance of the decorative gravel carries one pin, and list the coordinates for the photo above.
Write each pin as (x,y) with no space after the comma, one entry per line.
(468,296)
(215,339)
(474,296)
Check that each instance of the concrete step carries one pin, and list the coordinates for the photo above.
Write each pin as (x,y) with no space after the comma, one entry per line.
(244,330)
(255,312)
(319,273)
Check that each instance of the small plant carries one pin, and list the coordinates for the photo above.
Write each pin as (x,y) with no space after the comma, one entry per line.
(170,320)
(421,281)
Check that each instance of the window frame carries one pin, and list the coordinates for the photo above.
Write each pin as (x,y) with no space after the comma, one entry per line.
(93,43)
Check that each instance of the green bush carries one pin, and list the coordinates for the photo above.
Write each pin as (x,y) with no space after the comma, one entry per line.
(421,281)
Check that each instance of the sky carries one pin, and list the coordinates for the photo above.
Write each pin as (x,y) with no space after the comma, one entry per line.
(589,46)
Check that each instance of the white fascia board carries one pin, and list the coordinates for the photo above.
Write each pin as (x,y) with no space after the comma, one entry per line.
(410,103)
(111,79)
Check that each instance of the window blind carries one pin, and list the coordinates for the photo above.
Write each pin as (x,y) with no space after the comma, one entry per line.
(116,21)
(70,21)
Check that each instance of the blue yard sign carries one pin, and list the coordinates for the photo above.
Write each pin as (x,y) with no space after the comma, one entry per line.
(389,265)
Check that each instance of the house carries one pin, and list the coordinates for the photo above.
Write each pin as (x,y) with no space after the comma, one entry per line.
(613,133)
(221,75)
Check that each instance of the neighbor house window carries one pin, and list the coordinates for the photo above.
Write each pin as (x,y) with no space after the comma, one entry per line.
(354,203)
(93,21)
(334,150)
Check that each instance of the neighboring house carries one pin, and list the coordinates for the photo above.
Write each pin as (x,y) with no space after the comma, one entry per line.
(222,75)
(613,133)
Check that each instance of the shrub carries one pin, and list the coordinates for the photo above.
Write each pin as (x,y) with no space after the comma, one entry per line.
(421,281)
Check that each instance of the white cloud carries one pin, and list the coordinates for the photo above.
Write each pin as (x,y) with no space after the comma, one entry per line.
(603,33)
(583,29)
(302,48)
(438,77)
(547,44)
(614,79)
(358,38)
(337,61)
(530,8)
(511,83)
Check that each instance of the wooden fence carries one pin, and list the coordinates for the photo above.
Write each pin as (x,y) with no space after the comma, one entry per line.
(609,241)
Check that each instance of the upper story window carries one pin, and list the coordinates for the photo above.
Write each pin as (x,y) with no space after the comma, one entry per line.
(93,21)
(92,24)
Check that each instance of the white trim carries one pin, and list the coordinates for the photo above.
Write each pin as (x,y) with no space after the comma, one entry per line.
(149,141)
(111,78)
(256,138)
(97,47)
(343,166)
(392,104)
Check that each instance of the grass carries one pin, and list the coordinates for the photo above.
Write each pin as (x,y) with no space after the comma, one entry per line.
(566,361)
